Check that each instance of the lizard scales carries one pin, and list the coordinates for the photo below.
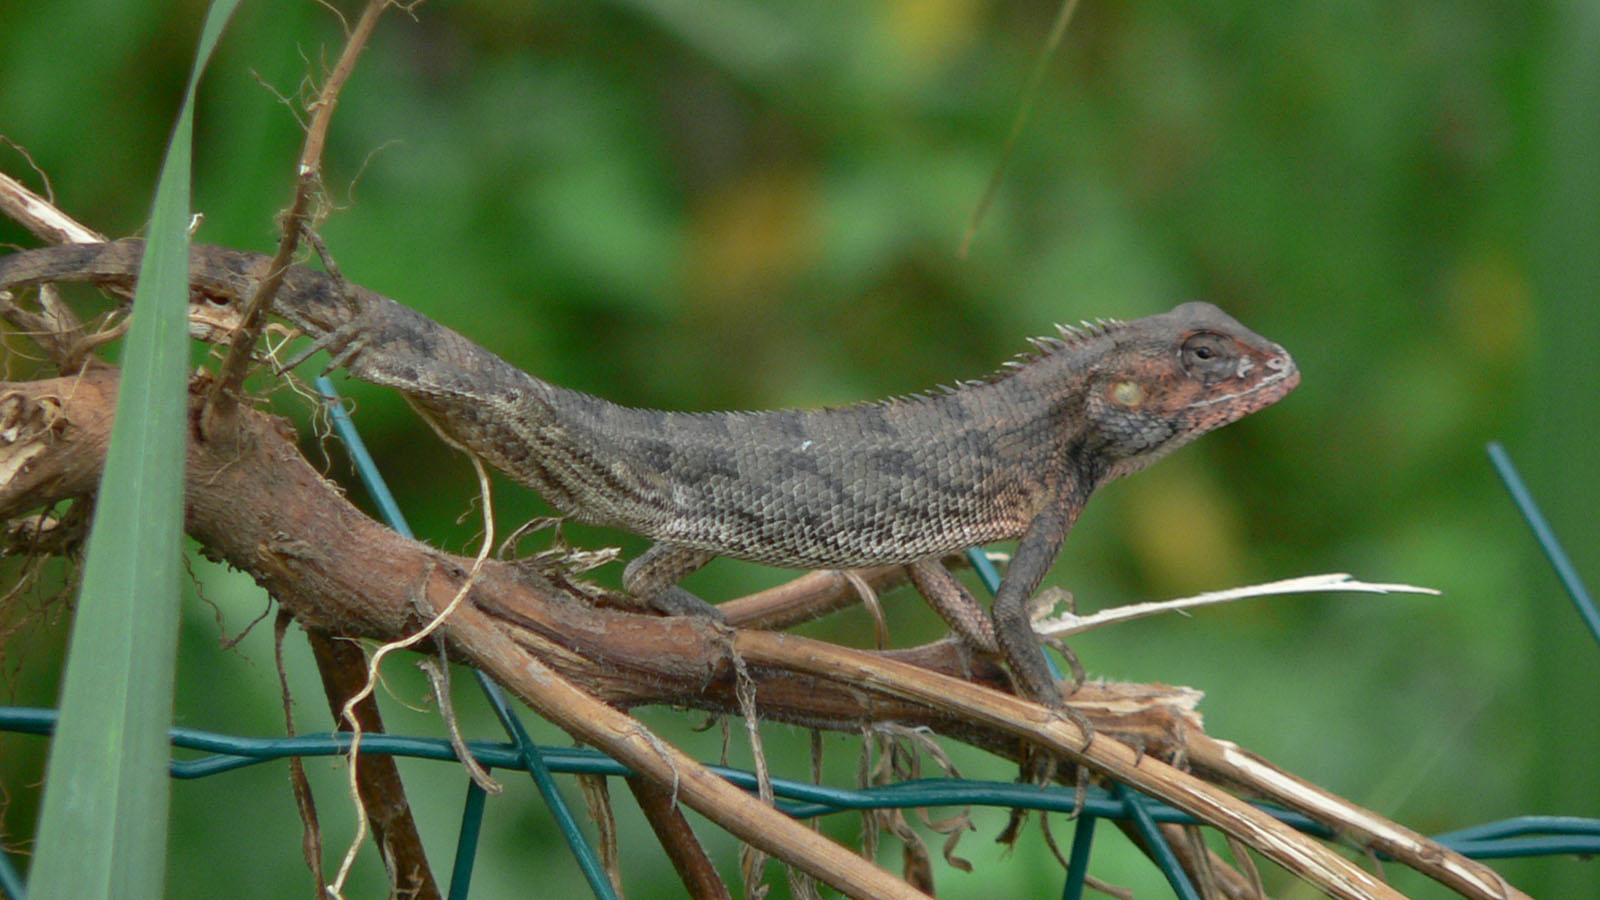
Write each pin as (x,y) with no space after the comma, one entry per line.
(907,480)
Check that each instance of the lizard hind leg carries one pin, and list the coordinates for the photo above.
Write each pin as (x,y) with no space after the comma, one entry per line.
(955,604)
(652,578)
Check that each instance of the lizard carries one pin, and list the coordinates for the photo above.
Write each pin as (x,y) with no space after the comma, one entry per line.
(1013,456)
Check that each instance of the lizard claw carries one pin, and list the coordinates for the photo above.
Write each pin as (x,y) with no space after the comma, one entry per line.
(675,601)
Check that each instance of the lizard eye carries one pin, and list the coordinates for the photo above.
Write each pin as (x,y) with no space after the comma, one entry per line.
(1207,356)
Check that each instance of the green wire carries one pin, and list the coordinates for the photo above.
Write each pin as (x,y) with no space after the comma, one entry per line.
(1546,536)
(1521,836)
(1154,844)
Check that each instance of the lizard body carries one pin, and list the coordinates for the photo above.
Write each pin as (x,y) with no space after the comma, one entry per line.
(908,480)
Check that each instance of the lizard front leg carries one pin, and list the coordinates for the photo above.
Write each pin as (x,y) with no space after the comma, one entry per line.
(652,578)
(1012,623)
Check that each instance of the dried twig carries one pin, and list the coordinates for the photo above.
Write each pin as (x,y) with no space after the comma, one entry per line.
(439,678)
(304,801)
(672,830)
(308,180)
(41,217)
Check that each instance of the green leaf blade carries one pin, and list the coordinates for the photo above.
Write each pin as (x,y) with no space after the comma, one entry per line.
(103,827)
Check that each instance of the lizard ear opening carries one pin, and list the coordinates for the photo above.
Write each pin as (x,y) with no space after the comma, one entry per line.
(1126,420)
(1127,393)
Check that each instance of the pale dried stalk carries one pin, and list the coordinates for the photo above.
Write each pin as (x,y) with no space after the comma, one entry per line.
(1071,623)
(624,739)
(41,217)
(1230,762)
(1296,852)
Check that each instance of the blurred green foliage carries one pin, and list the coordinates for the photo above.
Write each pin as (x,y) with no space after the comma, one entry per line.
(726,204)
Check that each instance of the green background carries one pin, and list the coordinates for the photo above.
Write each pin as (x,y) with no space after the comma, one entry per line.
(722,204)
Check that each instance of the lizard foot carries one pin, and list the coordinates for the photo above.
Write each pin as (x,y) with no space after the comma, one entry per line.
(346,343)
(675,601)
(337,342)
(653,577)
(1039,767)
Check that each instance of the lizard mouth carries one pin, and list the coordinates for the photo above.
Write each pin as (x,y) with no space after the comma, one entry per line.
(1284,377)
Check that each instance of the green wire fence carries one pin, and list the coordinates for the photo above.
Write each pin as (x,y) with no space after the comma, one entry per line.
(1521,836)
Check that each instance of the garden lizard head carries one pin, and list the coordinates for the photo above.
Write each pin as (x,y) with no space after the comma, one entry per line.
(1167,379)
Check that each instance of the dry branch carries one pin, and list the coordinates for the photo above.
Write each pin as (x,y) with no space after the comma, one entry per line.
(265,510)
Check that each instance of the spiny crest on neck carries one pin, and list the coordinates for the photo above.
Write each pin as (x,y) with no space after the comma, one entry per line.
(1067,338)
(1072,335)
